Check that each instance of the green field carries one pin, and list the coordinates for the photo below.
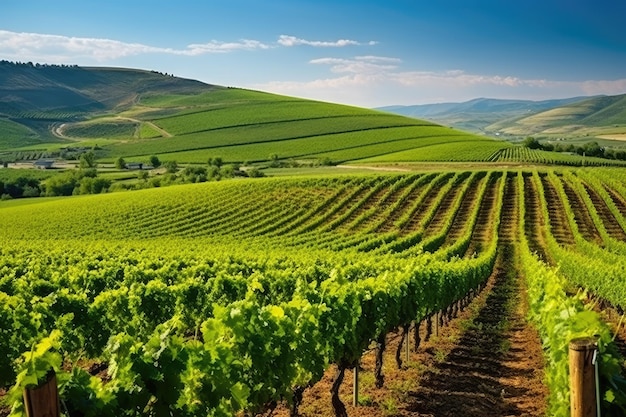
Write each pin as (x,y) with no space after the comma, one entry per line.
(105,129)
(584,118)
(479,151)
(14,135)
(328,263)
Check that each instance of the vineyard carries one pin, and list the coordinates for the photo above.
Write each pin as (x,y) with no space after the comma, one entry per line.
(218,298)
(248,126)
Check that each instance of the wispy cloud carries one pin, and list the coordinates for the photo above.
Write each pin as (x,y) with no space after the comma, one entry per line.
(287,40)
(57,48)
(359,65)
(221,47)
(460,79)
(377,81)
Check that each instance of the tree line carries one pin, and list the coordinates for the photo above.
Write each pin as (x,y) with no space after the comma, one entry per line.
(587,149)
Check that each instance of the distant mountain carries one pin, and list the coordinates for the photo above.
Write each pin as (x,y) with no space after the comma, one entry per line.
(588,116)
(478,114)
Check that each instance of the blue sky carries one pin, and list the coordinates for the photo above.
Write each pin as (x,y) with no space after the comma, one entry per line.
(365,53)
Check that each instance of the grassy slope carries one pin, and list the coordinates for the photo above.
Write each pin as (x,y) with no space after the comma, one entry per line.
(242,125)
(585,116)
(14,135)
(148,113)
(38,97)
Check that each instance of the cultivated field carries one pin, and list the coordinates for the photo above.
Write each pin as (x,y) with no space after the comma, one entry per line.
(214,298)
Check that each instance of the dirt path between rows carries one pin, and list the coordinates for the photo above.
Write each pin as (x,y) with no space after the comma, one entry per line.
(496,368)
(486,362)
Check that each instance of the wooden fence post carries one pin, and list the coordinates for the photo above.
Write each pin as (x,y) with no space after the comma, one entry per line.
(407,348)
(43,401)
(582,377)
(355,385)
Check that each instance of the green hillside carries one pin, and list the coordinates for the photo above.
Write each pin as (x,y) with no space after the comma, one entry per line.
(135,114)
(55,90)
(247,126)
(40,97)
(589,117)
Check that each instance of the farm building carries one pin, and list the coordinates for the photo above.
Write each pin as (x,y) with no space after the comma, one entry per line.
(43,163)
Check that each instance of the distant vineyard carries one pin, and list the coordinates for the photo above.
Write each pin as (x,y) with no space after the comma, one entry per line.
(221,297)
(452,151)
(26,155)
(13,135)
(526,155)
(247,126)
(110,130)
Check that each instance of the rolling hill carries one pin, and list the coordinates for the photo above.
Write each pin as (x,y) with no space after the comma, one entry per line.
(589,116)
(475,115)
(54,90)
(134,114)
(583,117)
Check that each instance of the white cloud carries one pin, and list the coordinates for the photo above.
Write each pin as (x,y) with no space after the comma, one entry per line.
(592,87)
(221,47)
(377,81)
(359,65)
(56,48)
(458,79)
(287,40)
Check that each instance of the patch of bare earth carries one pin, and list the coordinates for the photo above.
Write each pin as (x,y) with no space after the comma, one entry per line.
(496,368)
(486,362)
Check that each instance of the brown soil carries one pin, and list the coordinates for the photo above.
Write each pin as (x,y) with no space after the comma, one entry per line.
(586,226)
(389,223)
(5,410)
(558,220)
(486,362)
(431,197)
(534,221)
(381,213)
(461,218)
(609,222)
(483,225)
(617,199)
(441,213)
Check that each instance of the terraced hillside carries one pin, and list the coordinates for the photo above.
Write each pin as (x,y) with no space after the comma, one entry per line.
(51,112)
(246,126)
(135,114)
(219,297)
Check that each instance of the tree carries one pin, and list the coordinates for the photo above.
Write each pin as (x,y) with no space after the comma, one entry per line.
(254,172)
(217,161)
(593,149)
(90,185)
(154,161)
(195,174)
(531,143)
(274,160)
(87,160)
(171,167)
(120,163)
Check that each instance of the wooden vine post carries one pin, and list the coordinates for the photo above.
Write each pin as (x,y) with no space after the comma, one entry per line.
(582,377)
(43,401)
(355,385)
